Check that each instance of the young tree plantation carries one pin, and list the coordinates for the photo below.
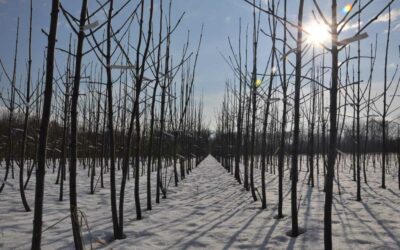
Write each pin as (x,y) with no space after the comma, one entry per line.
(187,124)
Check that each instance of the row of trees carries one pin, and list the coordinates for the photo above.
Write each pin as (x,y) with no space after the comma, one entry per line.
(117,98)
(310,97)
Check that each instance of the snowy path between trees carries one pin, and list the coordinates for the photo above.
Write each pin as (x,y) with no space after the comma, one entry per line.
(210,210)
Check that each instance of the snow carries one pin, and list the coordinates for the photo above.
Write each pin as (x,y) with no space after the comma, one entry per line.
(210,210)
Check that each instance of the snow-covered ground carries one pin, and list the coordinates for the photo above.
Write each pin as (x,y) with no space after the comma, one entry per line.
(209,210)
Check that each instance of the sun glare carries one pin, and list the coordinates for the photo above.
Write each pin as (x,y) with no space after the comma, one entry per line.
(347,8)
(317,33)
(258,83)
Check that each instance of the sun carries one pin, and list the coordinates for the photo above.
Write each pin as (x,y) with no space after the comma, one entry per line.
(316,33)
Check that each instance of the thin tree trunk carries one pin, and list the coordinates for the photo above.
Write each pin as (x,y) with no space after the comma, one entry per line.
(385,108)
(281,157)
(333,132)
(296,129)
(74,132)
(41,163)
(26,118)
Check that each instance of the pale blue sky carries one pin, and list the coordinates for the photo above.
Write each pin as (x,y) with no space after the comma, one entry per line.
(220,19)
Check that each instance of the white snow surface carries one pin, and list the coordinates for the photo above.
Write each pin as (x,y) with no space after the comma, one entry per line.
(210,210)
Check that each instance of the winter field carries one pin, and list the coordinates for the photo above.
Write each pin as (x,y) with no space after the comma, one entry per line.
(210,210)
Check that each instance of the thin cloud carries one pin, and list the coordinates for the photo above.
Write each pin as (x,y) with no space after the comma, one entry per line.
(395,14)
(397,27)
(351,26)
(3,1)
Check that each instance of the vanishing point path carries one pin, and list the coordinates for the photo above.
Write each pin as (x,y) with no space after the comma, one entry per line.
(210,210)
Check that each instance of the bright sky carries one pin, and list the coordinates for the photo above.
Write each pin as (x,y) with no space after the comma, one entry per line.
(220,19)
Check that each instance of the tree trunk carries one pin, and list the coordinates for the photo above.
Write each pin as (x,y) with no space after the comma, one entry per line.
(296,129)
(74,132)
(41,163)
(332,134)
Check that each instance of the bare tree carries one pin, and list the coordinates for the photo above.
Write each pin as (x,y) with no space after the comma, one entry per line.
(11,109)
(74,129)
(40,171)
(296,129)
(26,118)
